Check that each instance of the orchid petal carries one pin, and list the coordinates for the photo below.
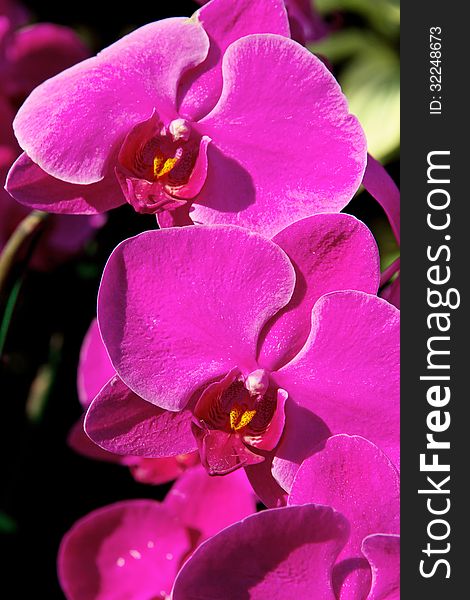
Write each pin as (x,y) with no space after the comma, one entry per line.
(225,22)
(280,554)
(354,477)
(383,554)
(167,294)
(264,485)
(94,367)
(121,422)
(208,504)
(347,374)
(80,443)
(73,123)
(330,252)
(131,549)
(33,187)
(256,149)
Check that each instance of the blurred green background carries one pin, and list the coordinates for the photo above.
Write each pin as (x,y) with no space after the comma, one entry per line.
(364,52)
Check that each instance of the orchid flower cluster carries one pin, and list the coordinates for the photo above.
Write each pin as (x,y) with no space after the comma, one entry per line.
(242,348)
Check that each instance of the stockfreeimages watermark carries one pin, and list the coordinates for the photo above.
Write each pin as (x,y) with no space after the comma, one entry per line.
(441,298)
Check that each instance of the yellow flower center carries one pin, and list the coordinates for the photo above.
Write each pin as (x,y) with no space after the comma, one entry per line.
(240,418)
(162,165)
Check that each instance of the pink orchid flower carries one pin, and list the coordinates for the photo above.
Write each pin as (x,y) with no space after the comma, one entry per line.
(133,549)
(222,115)
(306,25)
(28,56)
(251,350)
(94,372)
(337,540)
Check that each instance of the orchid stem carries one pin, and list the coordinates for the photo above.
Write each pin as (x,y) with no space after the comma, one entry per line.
(8,314)
(20,237)
(17,250)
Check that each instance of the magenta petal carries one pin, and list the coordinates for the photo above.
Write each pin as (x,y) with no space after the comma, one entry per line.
(198,176)
(383,554)
(82,444)
(207,504)
(131,549)
(221,452)
(121,422)
(94,367)
(270,438)
(303,433)
(280,554)
(62,237)
(255,127)
(225,21)
(381,186)
(174,316)
(39,52)
(330,252)
(33,187)
(347,374)
(264,485)
(305,23)
(178,217)
(155,471)
(354,477)
(11,213)
(71,124)
(146,196)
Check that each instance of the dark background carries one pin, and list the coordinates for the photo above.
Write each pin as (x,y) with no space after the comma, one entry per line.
(45,486)
(108,20)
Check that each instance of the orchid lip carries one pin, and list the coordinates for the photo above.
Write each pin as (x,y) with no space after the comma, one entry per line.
(233,403)
(236,419)
(161,165)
